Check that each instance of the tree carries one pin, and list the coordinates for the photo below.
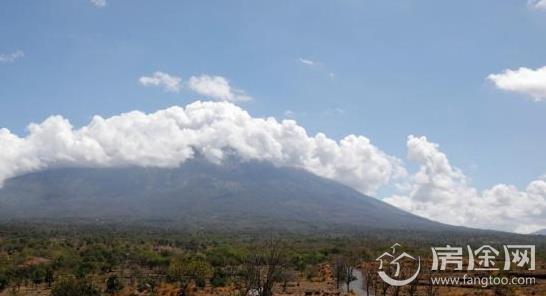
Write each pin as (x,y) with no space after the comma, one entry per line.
(4,280)
(70,286)
(49,276)
(369,278)
(263,269)
(183,269)
(274,260)
(37,275)
(343,270)
(176,270)
(250,275)
(348,269)
(219,277)
(113,284)
(412,288)
(339,273)
(198,270)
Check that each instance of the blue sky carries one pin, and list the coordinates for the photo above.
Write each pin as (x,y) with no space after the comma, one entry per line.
(399,68)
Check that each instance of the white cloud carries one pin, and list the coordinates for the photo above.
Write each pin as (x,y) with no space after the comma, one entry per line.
(538,4)
(11,57)
(167,138)
(210,86)
(441,192)
(99,3)
(523,80)
(216,87)
(308,62)
(167,82)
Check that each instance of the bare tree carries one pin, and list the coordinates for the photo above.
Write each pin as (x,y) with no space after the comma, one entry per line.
(250,275)
(344,267)
(339,270)
(274,262)
(412,288)
(348,268)
(368,278)
(263,269)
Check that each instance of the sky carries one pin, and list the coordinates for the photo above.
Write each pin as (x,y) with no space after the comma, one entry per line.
(446,100)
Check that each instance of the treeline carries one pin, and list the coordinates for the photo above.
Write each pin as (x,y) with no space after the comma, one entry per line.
(92,262)
(96,260)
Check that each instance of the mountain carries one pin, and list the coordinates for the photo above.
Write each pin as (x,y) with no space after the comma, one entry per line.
(236,195)
(540,232)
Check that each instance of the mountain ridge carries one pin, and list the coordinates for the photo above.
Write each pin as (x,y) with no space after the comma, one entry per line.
(235,195)
(540,232)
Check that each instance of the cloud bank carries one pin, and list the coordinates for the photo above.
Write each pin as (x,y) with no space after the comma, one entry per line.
(441,192)
(168,138)
(215,130)
(524,81)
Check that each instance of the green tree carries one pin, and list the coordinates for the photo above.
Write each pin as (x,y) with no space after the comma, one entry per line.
(198,270)
(37,274)
(70,286)
(4,280)
(183,269)
(49,276)
(219,278)
(113,284)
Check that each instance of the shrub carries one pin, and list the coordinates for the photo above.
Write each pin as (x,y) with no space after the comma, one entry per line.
(4,281)
(219,278)
(70,286)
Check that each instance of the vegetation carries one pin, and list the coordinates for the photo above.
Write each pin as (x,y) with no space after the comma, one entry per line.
(69,286)
(104,260)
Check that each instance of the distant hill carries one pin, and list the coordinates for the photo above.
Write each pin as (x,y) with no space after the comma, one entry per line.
(200,194)
(540,232)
